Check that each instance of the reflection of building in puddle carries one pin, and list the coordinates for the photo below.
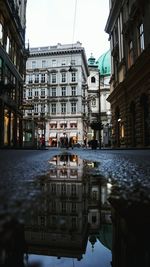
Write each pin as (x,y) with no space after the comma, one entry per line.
(69,209)
(67,166)
(99,215)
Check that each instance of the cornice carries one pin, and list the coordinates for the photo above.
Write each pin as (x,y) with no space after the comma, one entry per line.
(55,52)
(58,51)
(113,15)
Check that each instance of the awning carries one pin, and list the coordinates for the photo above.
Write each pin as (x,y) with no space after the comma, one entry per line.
(52,135)
(53,122)
(73,134)
(73,122)
(63,122)
(62,135)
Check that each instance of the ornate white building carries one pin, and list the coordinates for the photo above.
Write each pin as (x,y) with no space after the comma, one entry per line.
(56,87)
(98,92)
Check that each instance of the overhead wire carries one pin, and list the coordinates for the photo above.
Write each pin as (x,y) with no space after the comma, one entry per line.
(74,25)
(74,20)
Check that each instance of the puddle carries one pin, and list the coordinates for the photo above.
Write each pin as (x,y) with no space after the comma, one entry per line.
(69,223)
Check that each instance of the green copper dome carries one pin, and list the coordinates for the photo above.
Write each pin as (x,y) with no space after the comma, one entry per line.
(92,61)
(104,64)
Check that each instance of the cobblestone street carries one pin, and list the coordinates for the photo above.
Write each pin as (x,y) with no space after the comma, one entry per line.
(19,168)
(33,162)
(19,164)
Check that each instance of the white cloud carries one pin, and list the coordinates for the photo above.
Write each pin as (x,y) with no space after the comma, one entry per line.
(51,21)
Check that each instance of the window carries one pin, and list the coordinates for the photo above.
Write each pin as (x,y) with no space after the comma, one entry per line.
(24,94)
(94,219)
(73,62)
(93,102)
(33,64)
(93,80)
(53,63)
(115,35)
(130,54)
(73,91)
(53,205)
(30,78)
(30,93)
(63,77)
(83,92)
(36,93)
(84,109)
(73,190)
(141,45)
(63,125)
(63,91)
(42,221)
(53,188)
(14,53)
(127,10)
(42,108)
(53,91)
(1,69)
(1,33)
(73,76)
(94,195)
(73,125)
(43,78)
(73,107)
(63,189)
(74,223)
(53,77)
(43,92)
(36,78)
(63,206)
(53,108)
(63,108)
(63,62)
(36,108)
(74,207)
(120,38)
(53,126)
(43,63)
(8,45)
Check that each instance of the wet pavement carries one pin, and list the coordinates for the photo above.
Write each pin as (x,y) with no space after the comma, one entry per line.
(58,207)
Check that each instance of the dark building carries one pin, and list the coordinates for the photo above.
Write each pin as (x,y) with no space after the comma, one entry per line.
(129,32)
(12,70)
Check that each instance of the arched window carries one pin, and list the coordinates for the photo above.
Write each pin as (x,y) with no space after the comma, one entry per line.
(93,79)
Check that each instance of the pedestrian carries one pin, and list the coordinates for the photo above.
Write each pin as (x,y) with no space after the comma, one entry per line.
(42,141)
(94,143)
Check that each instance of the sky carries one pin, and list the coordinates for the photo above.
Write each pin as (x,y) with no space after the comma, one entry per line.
(67,21)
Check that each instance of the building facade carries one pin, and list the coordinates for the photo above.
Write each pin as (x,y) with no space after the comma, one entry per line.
(12,70)
(128,28)
(98,92)
(56,85)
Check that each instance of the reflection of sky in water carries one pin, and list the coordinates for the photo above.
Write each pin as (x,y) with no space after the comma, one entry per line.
(99,256)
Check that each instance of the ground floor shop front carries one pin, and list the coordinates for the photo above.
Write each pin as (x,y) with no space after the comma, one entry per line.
(10,126)
(62,139)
